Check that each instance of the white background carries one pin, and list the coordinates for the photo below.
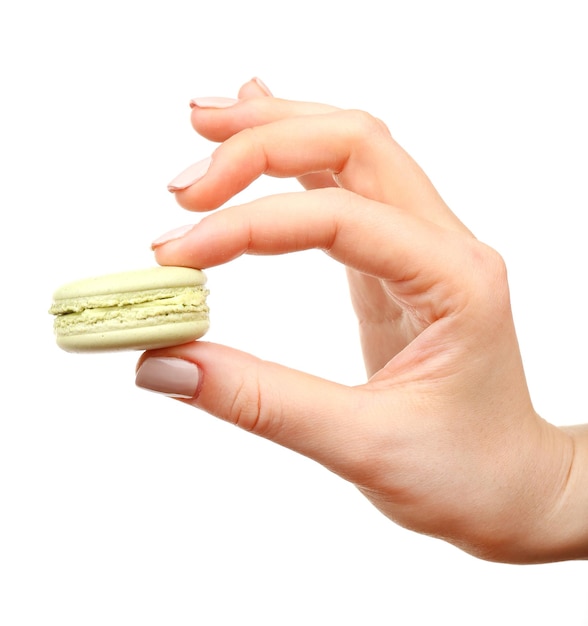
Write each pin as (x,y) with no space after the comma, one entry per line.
(122,507)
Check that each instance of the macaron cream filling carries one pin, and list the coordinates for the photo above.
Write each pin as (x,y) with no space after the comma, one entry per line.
(114,311)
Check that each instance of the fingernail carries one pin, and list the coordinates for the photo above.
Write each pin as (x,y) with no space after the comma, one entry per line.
(213,103)
(172,377)
(176,233)
(190,175)
(263,86)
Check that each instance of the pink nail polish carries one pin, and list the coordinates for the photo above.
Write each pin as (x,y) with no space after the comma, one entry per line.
(213,103)
(176,378)
(190,175)
(263,86)
(176,233)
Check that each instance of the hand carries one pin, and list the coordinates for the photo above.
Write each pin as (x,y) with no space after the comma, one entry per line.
(443,437)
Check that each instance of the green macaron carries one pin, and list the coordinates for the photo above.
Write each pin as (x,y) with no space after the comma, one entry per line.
(138,310)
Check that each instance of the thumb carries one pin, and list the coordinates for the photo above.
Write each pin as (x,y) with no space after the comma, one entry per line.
(302,412)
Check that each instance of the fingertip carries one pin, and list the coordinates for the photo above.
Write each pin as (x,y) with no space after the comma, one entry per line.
(264,88)
(171,235)
(212,102)
(190,175)
(175,371)
(171,376)
(254,88)
(208,243)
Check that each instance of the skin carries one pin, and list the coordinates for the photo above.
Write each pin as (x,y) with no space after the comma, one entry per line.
(443,437)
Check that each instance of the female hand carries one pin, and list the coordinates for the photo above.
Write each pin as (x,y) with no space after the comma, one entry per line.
(443,437)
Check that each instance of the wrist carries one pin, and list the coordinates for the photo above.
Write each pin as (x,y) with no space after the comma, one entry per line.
(545,519)
(571,514)
(560,529)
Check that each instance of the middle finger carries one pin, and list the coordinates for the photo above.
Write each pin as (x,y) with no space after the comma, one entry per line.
(353,146)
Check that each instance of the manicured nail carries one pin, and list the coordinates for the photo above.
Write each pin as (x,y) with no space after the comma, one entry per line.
(176,233)
(213,103)
(172,377)
(263,86)
(190,175)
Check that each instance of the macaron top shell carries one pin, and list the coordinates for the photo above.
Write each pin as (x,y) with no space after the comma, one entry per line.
(133,281)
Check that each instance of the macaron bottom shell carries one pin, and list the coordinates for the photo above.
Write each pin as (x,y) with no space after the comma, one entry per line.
(142,338)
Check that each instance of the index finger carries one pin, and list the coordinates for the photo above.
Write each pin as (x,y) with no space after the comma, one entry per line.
(426,266)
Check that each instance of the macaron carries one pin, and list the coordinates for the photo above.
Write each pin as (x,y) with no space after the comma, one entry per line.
(137,310)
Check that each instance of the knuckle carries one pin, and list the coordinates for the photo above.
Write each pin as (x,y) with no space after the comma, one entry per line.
(363,123)
(490,274)
(250,141)
(493,264)
(246,408)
